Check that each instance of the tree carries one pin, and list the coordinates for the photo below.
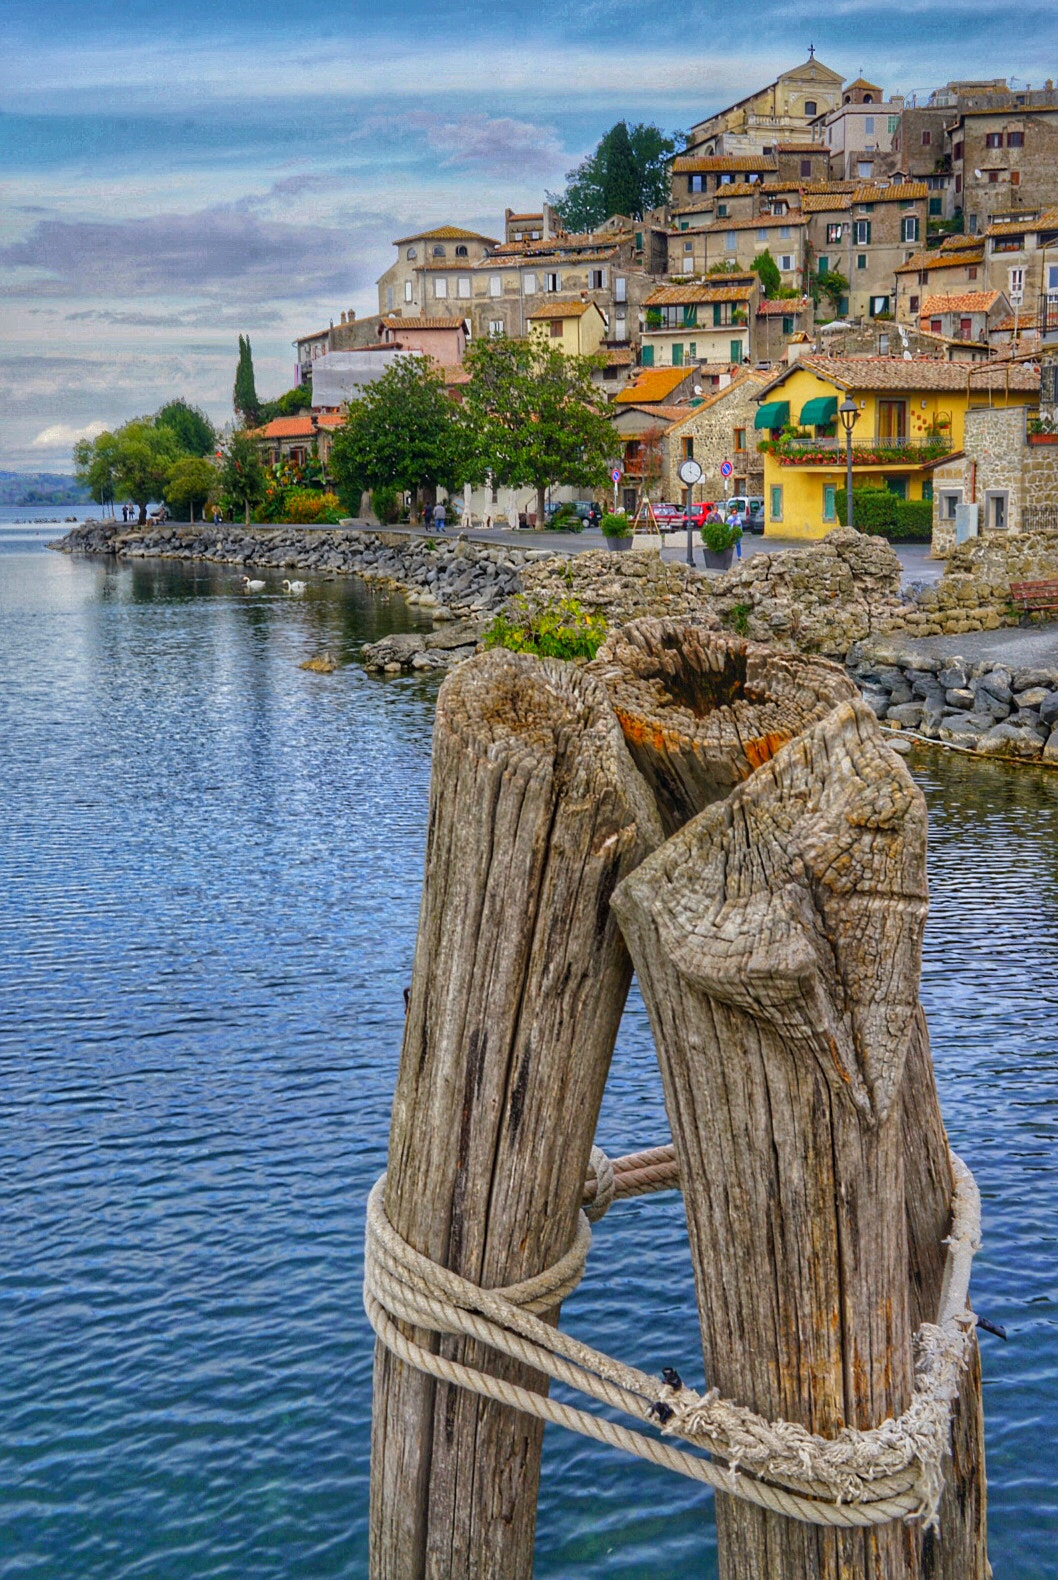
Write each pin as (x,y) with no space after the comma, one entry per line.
(190,427)
(244,395)
(833,285)
(767,271)
(242,475)
(533,416)
(627,174)
(191,481)
(288,404)
(403,433)
(133,462)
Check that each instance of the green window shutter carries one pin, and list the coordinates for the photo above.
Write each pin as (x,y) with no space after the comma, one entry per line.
(692,350)
(867,238)
(927,489)
(677,354)
(776,502)
(690,317)
(716,315)
(787,326)
(936,205)
(735,347)
(829,505)
(648,356)
(823,266)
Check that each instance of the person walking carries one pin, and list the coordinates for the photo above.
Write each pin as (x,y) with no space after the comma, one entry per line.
(735,520)
(439,516)
(427,517)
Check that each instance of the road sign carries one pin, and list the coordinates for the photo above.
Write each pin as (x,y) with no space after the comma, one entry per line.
(690,472)
(726,468)
(615,475)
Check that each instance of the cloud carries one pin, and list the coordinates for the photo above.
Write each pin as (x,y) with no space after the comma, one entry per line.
(211,317)
(216,251)
(62,435)
(494,143)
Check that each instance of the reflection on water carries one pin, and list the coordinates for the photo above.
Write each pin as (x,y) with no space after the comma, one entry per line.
(208,897)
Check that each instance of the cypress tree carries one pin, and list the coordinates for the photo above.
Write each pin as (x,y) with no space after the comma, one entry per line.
(621,181)
(244,397)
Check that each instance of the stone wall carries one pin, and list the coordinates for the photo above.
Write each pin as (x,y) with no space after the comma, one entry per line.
(988,708)
(622,586)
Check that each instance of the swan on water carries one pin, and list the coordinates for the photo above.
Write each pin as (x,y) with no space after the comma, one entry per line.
(249,586)
(297,588)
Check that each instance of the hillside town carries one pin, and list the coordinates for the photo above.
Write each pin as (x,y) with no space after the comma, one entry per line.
(825,244)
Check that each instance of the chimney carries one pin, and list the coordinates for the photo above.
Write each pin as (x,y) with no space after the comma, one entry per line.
(351,316)
(343,318)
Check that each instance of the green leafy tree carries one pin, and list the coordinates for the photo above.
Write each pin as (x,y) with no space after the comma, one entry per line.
(728,266)
(533,416)
(244,395)
(95,463)
(833,285)
(627,174)
(403,433)
(767,271)
(289,404)
(190,427)
(242,474)
(191,481)
(133,462)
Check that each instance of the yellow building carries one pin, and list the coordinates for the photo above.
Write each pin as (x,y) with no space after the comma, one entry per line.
(577,328)
(910,420)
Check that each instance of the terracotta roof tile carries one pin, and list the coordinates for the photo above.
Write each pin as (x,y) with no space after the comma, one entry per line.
(757,220)
(834,204)
(575,309)
(445,233)
(1048,220)
(652,385)
(803,148)
(906,192)
(921,373)
(782,305)
(395,321)
(299,427)
(938,260)
(701,292)
(702,163)
(960,302)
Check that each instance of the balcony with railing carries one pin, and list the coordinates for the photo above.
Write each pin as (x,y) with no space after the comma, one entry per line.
(888,450)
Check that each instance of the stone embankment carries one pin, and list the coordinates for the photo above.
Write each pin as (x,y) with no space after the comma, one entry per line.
(988,708)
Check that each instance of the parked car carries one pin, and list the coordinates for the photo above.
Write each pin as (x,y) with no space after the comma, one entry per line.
(668,517)
(754,522)
(744,506)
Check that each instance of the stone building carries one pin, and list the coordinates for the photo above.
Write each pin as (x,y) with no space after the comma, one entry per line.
(778,322)
(1004,156)
(716,429)
(738,241)
(782,111)
(709,321)
(944,272)
(866,235)
(963,315)
(859,132)
(1006,471)
(1021,259)
(431,275)
(296,439)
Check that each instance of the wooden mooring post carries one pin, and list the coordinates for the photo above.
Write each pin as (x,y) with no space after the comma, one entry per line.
(777,936)
(520,978)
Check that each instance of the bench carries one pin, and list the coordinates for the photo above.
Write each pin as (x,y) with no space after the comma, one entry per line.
(1035,596)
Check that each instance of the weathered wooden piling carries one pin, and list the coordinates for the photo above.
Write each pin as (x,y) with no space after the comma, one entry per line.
(777,940)
(520,977)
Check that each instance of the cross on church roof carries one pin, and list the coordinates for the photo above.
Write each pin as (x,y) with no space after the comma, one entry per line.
(811,52)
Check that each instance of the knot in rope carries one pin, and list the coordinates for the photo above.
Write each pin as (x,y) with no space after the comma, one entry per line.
(601,1173)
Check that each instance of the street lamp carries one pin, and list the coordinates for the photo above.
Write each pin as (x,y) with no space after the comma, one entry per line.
(849,413)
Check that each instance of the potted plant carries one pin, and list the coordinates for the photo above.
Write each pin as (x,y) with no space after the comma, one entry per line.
(617,530)
(719,539)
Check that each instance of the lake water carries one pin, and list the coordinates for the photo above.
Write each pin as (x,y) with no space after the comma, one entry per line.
(209,885)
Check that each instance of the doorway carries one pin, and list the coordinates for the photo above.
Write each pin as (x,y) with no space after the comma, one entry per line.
(892,420)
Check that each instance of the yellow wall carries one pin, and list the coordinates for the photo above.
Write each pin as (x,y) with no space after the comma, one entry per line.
(580,336)
(803,486)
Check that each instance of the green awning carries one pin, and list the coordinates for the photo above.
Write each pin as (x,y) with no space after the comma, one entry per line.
(773,414)
(817,413)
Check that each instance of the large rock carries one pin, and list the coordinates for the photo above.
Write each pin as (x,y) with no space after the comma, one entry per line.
(1010,740)
(962,729)
(1049,710)
(1050,751)
(907,714)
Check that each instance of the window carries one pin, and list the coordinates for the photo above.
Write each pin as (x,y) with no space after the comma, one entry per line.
(1015,139)
(647,357)
(909,228)
(923,277)
(948,500)
(440,287)
(685,224)
(1017,281)
(833,234)
(883,345)
(1015,178)
(495,285)
(461,252)
(776,501)
(862,232)
(971,273)
(677,353)
(721,211)
(762,233)
(735,348)
(726,181)
(496,326)
(411,254)
(787,325)
(688,246)
(389,297)
(956,152)
(823,266)
(966,326)
(927,139)
(620,289)
(785,262)
(830,511)
(913,304)
(556,329)
(694,184)
(892,124)
(639,241)
(463,286)
(864,168)
(785,232)
(879,304)
(958,184)
(529,284)
(996,510)
(810,107)
(936,326)
(688,449)
(552,282)
(620,327)
(936,206)
(993,139)
(730,241)
(868,124)
(861,260)
(927,489)
(408,291)
(806,167)
(690,315)
(721,314)
(740,438)
(438,252)
(597,277)
(1052,277)
(993,178)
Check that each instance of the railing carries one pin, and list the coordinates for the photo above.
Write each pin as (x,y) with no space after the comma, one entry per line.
(1039,518)
(865,452)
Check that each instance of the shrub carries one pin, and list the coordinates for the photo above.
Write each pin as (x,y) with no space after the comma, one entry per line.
(718,536)
(885,515)
(555,630)
(565,519)
(386,503)
(615,524)
(739,618)
(306,506)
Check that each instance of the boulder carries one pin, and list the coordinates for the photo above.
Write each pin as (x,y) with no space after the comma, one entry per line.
(961,729)
(1050,750)
(1010,740)
(954,675)
(907,714)
(1048,709)
(960,697)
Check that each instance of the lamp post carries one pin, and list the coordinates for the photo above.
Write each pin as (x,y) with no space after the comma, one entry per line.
(849,413)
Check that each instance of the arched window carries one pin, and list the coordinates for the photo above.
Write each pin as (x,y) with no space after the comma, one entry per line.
(810,106)
(461,252)
(411,254)
(438,252)
(868,98)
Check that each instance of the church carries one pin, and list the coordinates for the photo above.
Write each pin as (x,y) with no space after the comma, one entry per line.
(778,114)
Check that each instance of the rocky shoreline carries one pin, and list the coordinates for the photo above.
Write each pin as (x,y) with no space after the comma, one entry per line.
(840,598)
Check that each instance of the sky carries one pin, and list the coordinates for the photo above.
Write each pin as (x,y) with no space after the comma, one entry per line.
(173,175)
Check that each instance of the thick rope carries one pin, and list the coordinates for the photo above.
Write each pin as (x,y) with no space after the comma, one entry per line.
(858,1478)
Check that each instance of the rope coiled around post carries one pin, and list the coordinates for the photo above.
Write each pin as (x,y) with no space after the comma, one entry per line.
(858,1478)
